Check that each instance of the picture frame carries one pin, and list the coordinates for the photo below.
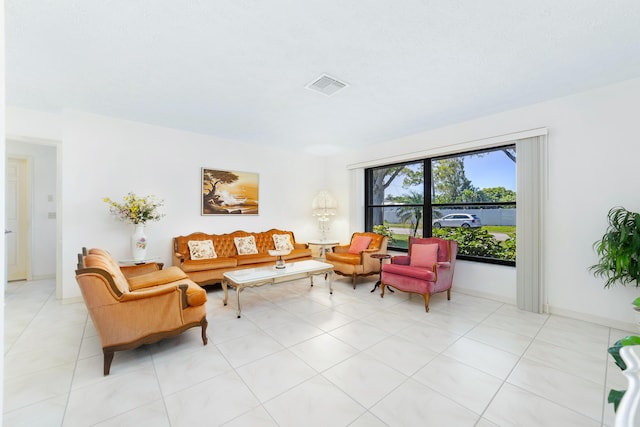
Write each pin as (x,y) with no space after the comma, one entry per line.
(228,192)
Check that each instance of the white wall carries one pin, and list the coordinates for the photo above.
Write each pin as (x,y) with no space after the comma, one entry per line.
(42,180)
(592,164)
(106,157)
(593,151)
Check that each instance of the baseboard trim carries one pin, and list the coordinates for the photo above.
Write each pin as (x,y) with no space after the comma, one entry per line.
(604,321)
(72,300)
(487,295)
(43,277)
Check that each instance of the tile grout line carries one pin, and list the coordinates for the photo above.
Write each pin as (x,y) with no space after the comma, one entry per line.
(512,369)
(75,367)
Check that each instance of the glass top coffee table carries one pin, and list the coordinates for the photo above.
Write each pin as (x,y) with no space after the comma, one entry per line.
(251,277)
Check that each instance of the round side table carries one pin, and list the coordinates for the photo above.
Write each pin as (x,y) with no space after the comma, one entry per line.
(325,246)
(380,257)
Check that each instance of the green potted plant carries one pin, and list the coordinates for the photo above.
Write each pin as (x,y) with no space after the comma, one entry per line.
(619,249)
(618,252)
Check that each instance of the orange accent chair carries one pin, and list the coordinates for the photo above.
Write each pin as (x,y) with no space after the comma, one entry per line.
(355,259)
(426,270)
(140,304)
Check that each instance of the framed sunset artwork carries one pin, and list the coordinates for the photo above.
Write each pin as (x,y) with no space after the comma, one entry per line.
(226,192)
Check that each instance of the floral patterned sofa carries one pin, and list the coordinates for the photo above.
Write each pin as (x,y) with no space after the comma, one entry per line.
(206,257)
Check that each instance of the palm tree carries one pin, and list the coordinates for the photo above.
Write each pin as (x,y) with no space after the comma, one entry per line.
(412,212)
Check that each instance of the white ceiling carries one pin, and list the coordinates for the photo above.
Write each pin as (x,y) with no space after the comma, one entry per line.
(238,68)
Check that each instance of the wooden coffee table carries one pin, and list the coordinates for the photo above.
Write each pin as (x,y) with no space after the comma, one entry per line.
(252,277)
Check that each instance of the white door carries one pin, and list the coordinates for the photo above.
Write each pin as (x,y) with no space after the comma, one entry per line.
(16,228)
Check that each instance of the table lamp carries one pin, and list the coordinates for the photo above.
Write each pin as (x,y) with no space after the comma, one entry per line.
(324,206)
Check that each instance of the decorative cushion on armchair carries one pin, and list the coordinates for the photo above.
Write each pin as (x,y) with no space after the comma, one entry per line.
(426,270)
(355,259)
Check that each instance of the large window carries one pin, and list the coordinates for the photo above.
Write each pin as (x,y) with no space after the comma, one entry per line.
(471,198)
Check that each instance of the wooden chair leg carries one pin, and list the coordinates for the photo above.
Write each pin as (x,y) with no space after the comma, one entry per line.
(203,325)
(353,280)
(108,358)
(382,289)
(449,294)
(426,302)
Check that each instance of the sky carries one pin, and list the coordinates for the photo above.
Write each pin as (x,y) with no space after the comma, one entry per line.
(494,169)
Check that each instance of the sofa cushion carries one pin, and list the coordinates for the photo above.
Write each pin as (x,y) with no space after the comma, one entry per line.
(406,270)
(359,244)
(425,256)
(282,242)
(155,278)
(201,249)
(208,264)
(345,257)
(255,259)
(297,253)
(245,245)
(443,252)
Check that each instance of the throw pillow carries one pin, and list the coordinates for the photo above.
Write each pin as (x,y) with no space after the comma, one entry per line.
(425,256)
(201,249)
(245,245)
(282,242)
(359,244)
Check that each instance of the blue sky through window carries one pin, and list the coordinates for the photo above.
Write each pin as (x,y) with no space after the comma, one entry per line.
(488,170)
(493,169)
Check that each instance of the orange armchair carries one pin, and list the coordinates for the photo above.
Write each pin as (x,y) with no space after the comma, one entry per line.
(136,305)
(355,259)
(426,270)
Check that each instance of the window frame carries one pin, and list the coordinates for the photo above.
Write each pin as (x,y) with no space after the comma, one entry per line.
(428,204)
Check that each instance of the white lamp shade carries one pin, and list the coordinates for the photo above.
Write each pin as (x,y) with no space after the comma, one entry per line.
(324,204)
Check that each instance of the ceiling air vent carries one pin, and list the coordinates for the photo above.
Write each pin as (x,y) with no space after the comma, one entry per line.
(326,85)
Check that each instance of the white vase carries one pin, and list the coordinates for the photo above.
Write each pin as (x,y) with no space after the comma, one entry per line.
(139,243)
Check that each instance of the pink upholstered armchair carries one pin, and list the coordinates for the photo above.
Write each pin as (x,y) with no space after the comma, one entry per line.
(426,270)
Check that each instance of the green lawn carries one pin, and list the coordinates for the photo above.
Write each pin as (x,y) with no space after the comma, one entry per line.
(490,228)
(506,229)
(402,240)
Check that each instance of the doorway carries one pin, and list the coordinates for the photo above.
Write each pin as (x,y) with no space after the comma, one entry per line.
(31,205)
(17,219)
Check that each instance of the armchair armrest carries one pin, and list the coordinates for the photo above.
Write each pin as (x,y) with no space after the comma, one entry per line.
(149,292)
(341,249)
(300,246)
(443,271)
(178,259)
(142,294)
(401,260)
(140,315)
(370,264)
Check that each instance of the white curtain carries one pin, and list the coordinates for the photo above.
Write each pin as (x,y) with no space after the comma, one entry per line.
(530,185)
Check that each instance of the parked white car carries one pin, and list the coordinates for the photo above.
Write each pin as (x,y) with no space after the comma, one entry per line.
(457,220)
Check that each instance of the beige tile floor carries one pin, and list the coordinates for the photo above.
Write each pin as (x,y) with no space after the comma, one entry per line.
(300,357)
